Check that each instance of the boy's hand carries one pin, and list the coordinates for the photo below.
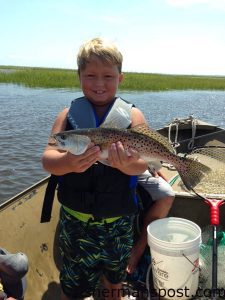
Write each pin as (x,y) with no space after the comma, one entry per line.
(119,158)
(80,163)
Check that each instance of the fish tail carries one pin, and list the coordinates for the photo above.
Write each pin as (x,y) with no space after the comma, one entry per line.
(193,173)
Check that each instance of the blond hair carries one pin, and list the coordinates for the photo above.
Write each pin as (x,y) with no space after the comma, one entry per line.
(104,50)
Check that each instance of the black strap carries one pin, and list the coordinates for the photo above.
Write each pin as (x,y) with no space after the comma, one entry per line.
(144,198)
(48,199)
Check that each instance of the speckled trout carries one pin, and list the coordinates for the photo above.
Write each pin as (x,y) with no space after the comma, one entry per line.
(147,142)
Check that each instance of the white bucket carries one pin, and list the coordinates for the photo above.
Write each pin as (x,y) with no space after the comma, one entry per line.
(174,244)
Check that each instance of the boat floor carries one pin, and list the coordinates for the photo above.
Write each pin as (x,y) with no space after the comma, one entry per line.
(21,230)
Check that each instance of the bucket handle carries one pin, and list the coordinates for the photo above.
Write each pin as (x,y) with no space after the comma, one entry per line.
(193,264)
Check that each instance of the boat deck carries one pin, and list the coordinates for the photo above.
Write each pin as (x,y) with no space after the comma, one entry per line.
(20,223)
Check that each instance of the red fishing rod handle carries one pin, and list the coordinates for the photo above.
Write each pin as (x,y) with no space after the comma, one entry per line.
(214,210)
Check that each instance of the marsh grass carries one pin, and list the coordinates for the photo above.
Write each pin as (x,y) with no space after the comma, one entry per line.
(65,78)
(39,77)
(161,82)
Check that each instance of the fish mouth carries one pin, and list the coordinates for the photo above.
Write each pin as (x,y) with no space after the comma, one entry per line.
(52,141)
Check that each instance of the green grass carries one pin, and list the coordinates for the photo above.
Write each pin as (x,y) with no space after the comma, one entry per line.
(161,82)
(65,78)
(39,77)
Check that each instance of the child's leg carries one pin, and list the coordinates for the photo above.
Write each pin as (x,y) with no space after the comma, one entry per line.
(117,251)
(80,252)
(113,289)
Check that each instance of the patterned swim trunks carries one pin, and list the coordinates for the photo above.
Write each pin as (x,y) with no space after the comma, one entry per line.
(90,250)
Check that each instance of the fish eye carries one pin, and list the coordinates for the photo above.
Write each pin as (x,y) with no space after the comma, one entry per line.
(63,136)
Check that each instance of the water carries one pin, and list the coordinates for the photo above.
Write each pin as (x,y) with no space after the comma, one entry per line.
(27,115)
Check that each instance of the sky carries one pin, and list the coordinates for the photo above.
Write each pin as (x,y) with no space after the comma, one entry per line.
(154,36)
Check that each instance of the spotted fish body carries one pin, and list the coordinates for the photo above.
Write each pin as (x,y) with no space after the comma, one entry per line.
(148,143)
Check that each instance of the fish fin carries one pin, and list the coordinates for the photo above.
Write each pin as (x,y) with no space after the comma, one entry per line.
(142,128)
(104,155)
(119,119)
(194,173)
(154,135)
(154,166)
(82,142)
(104,162)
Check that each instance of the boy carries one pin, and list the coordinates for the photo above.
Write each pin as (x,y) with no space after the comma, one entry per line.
(95,229)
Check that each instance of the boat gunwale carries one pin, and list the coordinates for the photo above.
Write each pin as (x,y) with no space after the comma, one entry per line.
(18,196)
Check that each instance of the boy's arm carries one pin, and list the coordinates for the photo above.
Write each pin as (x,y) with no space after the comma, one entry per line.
(62,162)
(158,210)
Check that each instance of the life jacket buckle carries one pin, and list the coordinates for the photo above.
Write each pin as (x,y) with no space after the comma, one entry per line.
(96,219)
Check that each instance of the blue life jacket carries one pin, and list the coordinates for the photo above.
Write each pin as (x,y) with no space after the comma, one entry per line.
(101,190)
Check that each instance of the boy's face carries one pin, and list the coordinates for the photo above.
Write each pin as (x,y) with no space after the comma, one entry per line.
(99,81)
